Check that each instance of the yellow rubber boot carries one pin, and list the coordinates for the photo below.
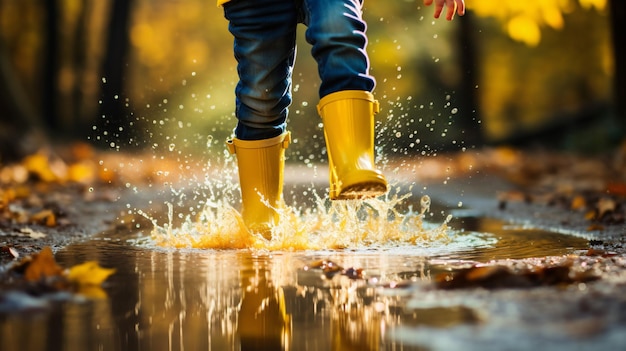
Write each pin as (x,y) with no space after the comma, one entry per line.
(348,118)
(261,167)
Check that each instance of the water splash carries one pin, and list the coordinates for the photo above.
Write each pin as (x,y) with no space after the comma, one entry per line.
(356,224)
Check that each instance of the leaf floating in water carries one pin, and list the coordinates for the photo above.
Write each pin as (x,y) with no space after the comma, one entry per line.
(329,268)
(354,273)
(89,273)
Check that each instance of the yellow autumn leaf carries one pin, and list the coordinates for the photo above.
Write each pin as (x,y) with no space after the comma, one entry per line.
(81,172)
(39,165)
(89,273)
(552,16)
(524,29)
(523,20)
(598,4)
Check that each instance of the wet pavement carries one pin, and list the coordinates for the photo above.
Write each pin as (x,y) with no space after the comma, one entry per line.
(531,279)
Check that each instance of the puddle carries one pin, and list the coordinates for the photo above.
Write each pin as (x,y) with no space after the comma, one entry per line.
(199,299)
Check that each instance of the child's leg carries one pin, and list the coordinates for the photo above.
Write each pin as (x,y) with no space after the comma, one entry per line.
(264,32)
(336,31)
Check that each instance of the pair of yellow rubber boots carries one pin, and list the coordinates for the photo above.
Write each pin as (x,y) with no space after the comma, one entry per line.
(348,118)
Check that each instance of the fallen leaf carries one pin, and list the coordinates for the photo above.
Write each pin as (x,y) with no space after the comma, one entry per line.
(42,265)
(38,164)
(605,206)
(600,252)
(89,273)
(82,172)
(578,203)
(33,234)
(329,268)
(9,251)
(503,276)
(594,227)
(45,217)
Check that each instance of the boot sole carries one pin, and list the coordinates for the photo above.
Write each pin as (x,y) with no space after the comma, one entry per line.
(362,191)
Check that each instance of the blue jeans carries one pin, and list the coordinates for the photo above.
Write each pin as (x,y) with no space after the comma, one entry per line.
(265,48)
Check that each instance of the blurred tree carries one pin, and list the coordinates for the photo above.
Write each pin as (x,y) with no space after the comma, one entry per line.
(113,116)
(50,63)
(618,25)
(469,100)
(18,119)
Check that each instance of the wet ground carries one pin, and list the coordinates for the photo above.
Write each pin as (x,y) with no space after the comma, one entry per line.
(515,275)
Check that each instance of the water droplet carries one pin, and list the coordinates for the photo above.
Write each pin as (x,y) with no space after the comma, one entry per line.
(425,203)
(172,147)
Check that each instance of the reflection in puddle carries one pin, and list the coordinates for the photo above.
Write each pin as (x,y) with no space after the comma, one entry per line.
(191,299)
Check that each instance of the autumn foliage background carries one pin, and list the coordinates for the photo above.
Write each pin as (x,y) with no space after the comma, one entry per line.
(160,75)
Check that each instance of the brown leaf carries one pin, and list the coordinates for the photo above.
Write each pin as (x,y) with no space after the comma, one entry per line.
(600,252)
(329,268)
(578,203)
(45,217)
(42,265)
(503,276)
(594,227)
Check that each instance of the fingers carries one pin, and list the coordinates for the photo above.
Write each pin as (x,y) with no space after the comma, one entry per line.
(438,6)
(453,6)
(460,7)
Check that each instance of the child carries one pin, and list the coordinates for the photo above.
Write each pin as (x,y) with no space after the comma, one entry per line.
(265,46)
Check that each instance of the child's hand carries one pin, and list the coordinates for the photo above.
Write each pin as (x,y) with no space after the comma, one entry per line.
(457,6)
